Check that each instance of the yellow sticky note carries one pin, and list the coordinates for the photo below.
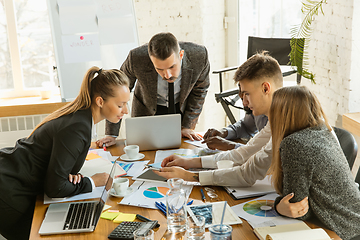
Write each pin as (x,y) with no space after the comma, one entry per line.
(124,217)
(92,156)
(109,215)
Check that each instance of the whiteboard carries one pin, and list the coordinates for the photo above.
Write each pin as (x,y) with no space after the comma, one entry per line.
(90,33)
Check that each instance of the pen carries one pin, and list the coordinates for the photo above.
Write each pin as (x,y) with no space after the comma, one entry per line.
(189,203)
(144,219)
(203,195)
(160,208)
(104,146)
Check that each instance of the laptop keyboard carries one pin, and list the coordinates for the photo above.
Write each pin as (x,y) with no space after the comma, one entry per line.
(79,215)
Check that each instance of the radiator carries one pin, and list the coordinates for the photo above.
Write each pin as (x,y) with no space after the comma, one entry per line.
(13,128)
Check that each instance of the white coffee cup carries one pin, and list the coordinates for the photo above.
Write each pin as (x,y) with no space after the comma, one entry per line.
(131,151)
(225,164)
(120,185)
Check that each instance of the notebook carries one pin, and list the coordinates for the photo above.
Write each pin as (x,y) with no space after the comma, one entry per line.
(75,217)
(262,232)
(154,132)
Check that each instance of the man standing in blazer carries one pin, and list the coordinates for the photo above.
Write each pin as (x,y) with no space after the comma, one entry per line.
(154,65)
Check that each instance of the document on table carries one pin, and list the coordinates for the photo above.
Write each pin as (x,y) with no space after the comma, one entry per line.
(261,187)
(147,193)
(260,212)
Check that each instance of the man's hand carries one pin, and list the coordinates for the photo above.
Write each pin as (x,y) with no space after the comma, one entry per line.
(175,160)
(190,134)
(100,179)
(293,210)
(219,143)
(176,172)
(109,141)
(212,132)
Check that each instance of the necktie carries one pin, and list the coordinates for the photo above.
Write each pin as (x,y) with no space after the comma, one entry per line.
(171,107)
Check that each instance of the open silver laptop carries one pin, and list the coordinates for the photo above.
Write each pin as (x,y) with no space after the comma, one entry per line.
(154,132)
(75,217)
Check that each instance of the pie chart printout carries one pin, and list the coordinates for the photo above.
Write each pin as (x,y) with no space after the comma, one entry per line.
(155,192)
(261,208)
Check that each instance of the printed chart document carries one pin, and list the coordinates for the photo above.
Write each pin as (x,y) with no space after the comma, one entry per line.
(147,193)
(260,212)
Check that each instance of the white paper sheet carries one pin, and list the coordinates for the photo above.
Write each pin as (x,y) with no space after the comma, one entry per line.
(99,165)
(81,48)
(77,16)
(114,8)
(116,30)
(260,221)
(138,197)
(261,187)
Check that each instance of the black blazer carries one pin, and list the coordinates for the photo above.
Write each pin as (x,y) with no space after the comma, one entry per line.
(195,82)
(44,161)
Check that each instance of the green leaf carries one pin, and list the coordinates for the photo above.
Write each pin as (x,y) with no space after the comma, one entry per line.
(300,37)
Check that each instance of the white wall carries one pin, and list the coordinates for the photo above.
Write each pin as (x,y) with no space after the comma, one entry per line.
(198,21)
(331,52)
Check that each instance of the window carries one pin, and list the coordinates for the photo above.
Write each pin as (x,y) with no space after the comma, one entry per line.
(26,50)
(266,18)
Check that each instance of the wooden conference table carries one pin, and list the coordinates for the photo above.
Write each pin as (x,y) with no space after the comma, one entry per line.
(104,227)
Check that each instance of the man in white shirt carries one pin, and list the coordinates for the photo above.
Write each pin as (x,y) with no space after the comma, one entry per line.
(259,77)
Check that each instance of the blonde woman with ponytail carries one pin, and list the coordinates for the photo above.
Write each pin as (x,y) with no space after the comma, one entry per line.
(50,158)
(308,165)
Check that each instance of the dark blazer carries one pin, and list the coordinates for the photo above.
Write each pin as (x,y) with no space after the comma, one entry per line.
(194,84)
(44,161)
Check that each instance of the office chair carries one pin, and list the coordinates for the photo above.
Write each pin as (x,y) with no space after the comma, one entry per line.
(279,48)
(357,178)
(348,145)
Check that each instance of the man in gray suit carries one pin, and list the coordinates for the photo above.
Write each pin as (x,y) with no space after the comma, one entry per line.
(165,60)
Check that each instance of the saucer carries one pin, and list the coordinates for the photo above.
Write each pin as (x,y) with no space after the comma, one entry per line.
(124,157)
(128,191)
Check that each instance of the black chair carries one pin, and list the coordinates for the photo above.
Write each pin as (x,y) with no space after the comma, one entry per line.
(357,178)
(348,145)
(279,48)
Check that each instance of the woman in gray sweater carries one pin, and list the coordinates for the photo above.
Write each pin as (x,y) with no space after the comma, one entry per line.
(309,169)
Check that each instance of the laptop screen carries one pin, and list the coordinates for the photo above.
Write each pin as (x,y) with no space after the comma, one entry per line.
(105,194)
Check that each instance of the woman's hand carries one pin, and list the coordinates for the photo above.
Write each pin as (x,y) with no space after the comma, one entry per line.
(177,172)
(108,141)
(75,179)
(100,179)
(293,210)
(175,160)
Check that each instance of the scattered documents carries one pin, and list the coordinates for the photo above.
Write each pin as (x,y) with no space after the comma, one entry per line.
(161,154)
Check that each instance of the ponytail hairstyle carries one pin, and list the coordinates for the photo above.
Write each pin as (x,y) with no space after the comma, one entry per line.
(292,109)
(92,86)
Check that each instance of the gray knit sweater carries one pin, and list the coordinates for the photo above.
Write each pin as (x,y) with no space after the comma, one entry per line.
(315,166)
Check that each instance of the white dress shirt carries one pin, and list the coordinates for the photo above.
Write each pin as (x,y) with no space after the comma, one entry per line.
(251,163)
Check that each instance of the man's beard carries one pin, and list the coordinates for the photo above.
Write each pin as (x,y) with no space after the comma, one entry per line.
(173,78)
